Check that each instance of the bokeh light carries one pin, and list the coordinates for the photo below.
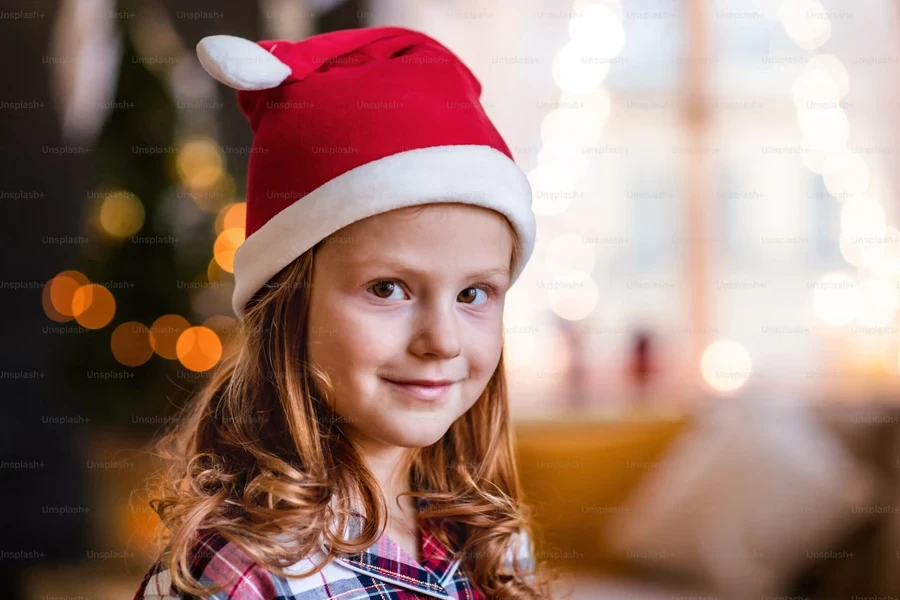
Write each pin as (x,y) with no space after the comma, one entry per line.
(863,217)
(835,69)
(232,216)
(824,128)
(47,303)
(215,197)
(599,28)
(726,365)
(130,344)
(836,298)
(226,245)
(164,334)
(93,306)
(121,215)
(572,295)
(571,127)
(568,159)
(814,86)
(552,190)
(577,69)
(806,22)
(568,251)
(59,292)
(199,348)
(200,163)
(878,302)
(228,330)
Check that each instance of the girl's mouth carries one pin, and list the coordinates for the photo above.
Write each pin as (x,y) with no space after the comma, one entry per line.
(428,392)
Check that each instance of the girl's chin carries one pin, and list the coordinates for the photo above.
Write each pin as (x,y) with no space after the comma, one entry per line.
(419,436)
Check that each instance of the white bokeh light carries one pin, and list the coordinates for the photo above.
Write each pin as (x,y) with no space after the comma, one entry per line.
(520,308)
(518,349)
(599,28)
(568,251)
(824,128)
(832,65)
(836,298)
(726,365)
(845,174)
(813,158)
(814,85)
(597,102)
(572,295)
(879,293)
(568,159)
(571,127)
(613,5)
(576,69)
(552,190)
(863,217)
(806,22)
(861,251)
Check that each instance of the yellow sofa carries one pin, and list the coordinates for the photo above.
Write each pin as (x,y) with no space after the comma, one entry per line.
(576,475)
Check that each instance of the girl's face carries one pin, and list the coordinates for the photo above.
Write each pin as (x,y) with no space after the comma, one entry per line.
(411,294)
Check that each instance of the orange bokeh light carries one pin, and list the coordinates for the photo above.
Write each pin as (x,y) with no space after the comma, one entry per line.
(49,309)
(62,292)
(199,348)
(226,245)
(93,306)
(164,334)
(200,163)
(232,216)
(130,343)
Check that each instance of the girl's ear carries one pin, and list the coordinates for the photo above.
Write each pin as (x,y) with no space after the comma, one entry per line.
(240,63)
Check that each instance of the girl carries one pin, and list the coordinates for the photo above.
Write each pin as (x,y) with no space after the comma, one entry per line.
(358,445)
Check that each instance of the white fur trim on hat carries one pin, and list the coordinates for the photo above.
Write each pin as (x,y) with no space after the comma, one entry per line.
(240,63)
(470,174)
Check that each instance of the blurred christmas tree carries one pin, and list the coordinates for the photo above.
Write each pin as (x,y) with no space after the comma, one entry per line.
(164,221)
(135,252)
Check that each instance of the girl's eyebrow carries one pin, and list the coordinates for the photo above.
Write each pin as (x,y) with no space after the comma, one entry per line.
(487,273)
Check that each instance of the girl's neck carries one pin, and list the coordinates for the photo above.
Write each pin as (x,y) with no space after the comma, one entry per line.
(390,467)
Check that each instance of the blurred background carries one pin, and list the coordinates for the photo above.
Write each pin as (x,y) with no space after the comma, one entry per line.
(703,351)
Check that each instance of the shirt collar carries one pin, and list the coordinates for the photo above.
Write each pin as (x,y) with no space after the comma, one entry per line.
(387,561)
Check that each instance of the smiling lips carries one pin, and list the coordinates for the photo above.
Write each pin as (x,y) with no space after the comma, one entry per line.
(423,389)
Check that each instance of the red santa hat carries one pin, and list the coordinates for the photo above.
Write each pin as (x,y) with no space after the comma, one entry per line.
(351,124)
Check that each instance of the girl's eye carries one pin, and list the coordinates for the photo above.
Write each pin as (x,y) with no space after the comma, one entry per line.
(470,295)
(389,290)
(385,289)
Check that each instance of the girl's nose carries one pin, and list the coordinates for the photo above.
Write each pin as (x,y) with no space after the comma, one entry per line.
(437,333)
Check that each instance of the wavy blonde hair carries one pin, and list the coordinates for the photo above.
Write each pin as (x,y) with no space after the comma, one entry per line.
(258,452)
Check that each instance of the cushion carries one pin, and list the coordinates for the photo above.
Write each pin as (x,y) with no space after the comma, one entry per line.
(745,499)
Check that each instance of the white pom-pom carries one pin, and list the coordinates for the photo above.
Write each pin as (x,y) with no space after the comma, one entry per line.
(240,63)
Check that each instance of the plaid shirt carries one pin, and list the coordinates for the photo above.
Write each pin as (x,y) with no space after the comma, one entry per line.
(383,571)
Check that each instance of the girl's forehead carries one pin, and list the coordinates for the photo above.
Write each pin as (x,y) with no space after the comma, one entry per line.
(431,213)
(424,258)
(455,238)
(453,226)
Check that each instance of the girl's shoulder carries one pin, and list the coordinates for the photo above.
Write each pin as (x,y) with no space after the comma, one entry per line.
(213,561)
